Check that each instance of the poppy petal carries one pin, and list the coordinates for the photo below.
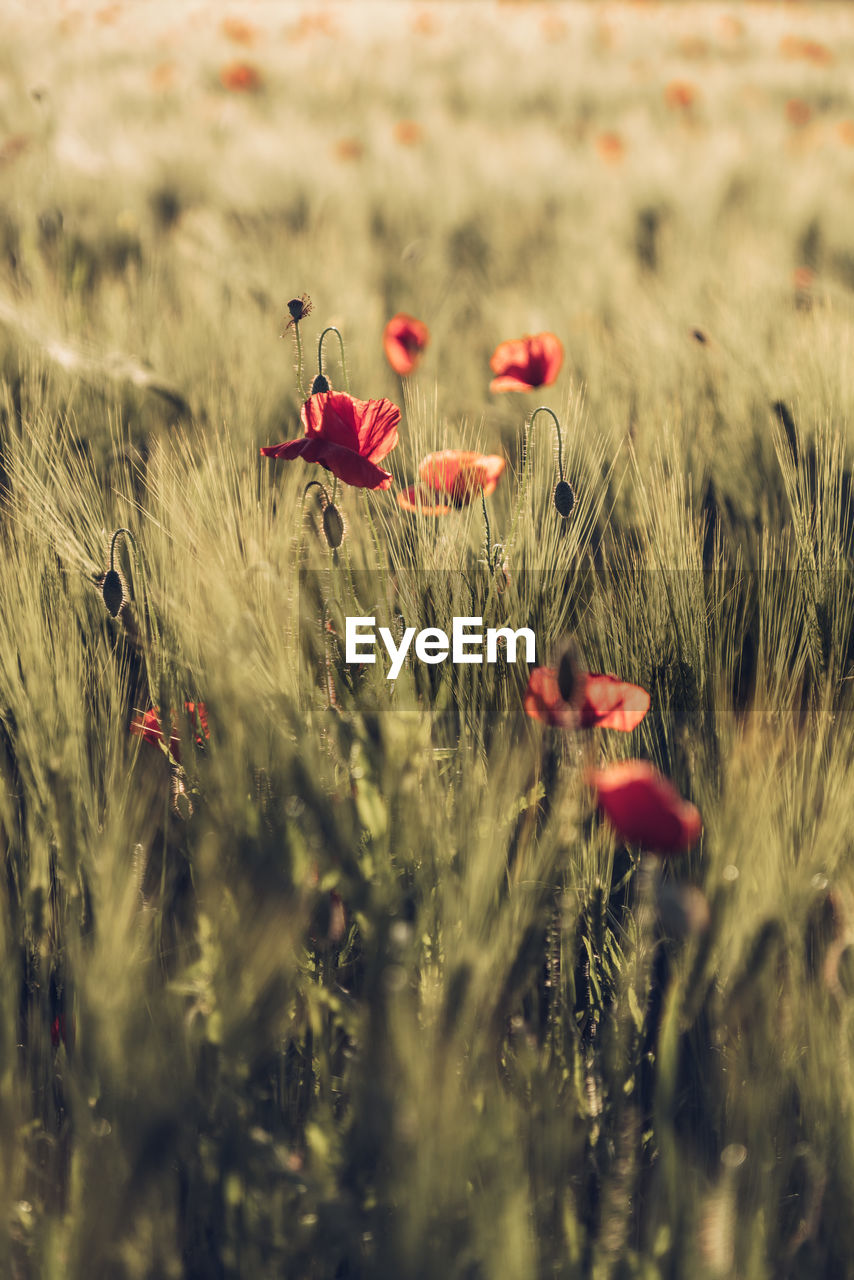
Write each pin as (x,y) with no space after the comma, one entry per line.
(542,700)
(610,703)
(645,808)
(420,501)
(523,363)
(378,428)
(347,465)
(404,339)
(461,474)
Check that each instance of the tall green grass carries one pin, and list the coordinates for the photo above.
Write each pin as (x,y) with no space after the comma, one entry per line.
(363,986)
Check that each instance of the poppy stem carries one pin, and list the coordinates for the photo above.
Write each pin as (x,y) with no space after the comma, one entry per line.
(544,409)
(115,539)
(330,328)
(311,484)
(151,644)
(298,340)
(373,528)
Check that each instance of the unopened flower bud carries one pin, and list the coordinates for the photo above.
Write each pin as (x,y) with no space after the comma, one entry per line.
(182,805)
(564,498)
(333,525)
(112,589)
(321,383)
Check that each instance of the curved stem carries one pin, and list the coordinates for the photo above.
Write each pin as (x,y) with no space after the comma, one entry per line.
(113,546)
(311,484)
(544,409)
(330,328)
(152,636)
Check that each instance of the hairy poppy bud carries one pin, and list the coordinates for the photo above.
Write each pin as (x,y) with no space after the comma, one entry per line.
(333,525)
(182,805)
(564,498)
(112,589)
(321,383)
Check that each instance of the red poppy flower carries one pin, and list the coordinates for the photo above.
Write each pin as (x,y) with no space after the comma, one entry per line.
(148,727)
(346,436)
(461,474)
(404,339)
(604,702)
(645,808)
(240,77)
(526,362)
(418,499)
(680,95)
(458,476)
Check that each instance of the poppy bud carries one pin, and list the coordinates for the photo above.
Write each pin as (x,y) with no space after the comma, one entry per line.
(182,805)
(567,672)
(112,590)
(321,383)
(333,525)
(564,498)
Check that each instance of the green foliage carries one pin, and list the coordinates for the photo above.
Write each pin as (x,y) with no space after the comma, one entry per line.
(350,980)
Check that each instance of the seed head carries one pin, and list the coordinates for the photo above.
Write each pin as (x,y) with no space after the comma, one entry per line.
(112,589)
(333,525)
(321,383)
(298,309)
(564,498)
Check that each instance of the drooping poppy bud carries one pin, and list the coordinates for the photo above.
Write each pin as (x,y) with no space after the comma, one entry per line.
(564,498)
(333,525)
(112,589)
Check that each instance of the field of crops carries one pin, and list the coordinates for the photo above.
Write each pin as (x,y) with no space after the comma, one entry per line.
(487,971)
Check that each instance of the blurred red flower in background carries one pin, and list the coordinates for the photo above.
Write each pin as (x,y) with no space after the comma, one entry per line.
(457,475)
(645,808)
(680,94)
(524,363)
(237,30)
(346,436)
(148,727)
(404,339)
(603,702)
(421,500)
(240,77)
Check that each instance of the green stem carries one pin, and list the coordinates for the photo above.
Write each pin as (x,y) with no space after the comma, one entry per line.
(152,632)
(544,409)
(316,483)
(330,328)
(115,539)
(300,386)
(373,528)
